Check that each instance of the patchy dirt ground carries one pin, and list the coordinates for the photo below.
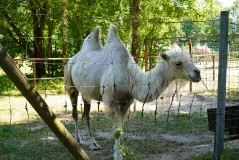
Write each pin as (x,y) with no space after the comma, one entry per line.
(148,137)
(158,146)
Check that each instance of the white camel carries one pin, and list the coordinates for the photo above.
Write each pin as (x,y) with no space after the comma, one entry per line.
(109,74)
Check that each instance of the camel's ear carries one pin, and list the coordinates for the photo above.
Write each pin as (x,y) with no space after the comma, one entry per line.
(164,57)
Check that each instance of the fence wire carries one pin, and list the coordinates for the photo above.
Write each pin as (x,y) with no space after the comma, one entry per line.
(179,122)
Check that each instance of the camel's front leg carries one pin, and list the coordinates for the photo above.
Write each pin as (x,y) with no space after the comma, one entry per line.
(119,111)
(117,133)
(86,115)
(118,154)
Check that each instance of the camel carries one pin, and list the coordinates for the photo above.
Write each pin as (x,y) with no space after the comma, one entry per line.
(110,75)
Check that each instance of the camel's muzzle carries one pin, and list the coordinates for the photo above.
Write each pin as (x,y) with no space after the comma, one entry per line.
(196,76)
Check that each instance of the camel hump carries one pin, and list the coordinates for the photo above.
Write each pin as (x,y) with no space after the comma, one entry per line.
(92,42)
(113,33)
(95,34)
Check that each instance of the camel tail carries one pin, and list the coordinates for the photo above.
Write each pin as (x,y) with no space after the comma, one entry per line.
(67,78)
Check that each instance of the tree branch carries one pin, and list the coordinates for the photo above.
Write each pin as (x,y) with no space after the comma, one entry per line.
(21,40)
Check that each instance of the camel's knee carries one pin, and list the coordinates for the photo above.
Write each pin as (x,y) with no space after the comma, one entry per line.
(86,115)
(75,114)
(73,96)
(117,134)
(86,112)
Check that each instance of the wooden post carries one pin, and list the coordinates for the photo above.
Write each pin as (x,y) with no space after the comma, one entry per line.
(190,52)
(34,98)
(222,77)
(34,74)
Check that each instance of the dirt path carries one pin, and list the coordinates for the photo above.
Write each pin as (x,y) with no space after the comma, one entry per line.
(151,144)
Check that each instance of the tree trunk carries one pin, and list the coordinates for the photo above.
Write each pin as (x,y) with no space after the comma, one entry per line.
(64,29)
(39,20)
(64,32)
(136,29)
(49,45)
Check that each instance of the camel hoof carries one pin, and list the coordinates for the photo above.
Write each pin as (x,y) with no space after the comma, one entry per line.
(95,147)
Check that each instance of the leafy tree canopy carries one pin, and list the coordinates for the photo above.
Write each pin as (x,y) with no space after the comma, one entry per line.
(22,20)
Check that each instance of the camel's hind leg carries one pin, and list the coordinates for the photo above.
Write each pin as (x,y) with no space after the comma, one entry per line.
(86,115)
(74,98)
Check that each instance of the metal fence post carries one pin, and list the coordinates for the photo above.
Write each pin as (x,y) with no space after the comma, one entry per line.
(221,94)
(190,52)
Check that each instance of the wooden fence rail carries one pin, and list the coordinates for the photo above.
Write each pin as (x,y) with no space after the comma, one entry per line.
(37,60)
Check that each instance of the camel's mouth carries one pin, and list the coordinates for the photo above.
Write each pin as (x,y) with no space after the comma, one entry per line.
(194,79)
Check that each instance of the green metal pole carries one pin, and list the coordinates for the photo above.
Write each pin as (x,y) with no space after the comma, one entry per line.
(34,98)
(222,77)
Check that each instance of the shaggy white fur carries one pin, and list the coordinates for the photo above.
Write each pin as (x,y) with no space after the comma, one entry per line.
(109,74)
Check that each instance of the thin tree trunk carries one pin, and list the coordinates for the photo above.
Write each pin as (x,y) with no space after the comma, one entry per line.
(64,31)
(49,46)
(136,29)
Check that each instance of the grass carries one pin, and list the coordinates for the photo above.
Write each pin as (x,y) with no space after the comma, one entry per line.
(19,142)
(183,123)
(228,154)
(179,123)
(32,139)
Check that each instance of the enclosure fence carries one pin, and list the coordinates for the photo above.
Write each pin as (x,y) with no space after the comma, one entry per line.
(181,117)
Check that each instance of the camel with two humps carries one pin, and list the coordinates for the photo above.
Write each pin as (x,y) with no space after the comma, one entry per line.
(110,75)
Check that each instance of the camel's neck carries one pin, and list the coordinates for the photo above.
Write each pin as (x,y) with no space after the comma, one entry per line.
(147,86)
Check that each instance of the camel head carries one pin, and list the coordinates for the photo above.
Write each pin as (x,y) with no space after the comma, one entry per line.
(181,65)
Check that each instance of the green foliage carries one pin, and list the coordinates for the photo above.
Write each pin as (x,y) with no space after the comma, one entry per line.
(54,86)
(6,85)
(189,27)
(155,21)
(128,154)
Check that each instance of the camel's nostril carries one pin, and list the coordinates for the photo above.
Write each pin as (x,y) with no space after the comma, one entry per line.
(196,71)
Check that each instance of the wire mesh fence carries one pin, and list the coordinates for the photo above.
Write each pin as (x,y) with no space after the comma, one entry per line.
(175,124)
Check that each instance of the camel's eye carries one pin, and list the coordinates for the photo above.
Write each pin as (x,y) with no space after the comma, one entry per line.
(178,64)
